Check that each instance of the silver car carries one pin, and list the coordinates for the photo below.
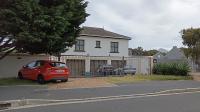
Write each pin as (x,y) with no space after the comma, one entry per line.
(129,70)
(106,70)
(126,70)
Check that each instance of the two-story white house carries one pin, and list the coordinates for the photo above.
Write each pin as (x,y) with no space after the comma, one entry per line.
(95,47)
(99,42)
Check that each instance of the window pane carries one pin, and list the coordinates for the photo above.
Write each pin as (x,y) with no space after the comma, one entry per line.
(32,64)
(81,42)
(112,44)
(39,63)
(58,64)
(98,44)
(114,47)
(79,46)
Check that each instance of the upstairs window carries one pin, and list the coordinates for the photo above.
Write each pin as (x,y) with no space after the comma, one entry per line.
(98,44)
(79,46)
(114,47)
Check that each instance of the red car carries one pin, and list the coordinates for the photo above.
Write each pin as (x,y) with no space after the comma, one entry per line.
(44,70)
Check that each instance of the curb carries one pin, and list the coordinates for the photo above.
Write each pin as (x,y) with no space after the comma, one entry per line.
(28,103)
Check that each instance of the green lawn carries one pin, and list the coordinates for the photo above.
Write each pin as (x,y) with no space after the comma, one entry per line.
(139,78)
(15,81)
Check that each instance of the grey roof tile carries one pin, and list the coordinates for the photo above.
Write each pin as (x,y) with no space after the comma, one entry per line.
(100,32)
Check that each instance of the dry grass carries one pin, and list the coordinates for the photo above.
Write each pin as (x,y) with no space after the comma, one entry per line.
(15,81)
(81,83)
(139,78)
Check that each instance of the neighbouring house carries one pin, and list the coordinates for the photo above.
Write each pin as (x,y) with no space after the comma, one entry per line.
(157,57)
(174,55)
(164,51)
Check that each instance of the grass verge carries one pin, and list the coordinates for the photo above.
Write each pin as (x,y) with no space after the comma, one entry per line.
(138,78)
(15,81)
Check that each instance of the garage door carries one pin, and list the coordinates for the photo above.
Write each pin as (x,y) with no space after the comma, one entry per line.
(94,65)
(77,67)
(118,63)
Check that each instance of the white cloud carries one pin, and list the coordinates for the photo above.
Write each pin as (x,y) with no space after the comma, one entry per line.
(151,23)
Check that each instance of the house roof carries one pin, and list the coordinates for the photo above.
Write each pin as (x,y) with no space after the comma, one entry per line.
(175,53)
(100,32)
(158,55)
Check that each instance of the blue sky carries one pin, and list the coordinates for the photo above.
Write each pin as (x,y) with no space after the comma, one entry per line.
(152,24)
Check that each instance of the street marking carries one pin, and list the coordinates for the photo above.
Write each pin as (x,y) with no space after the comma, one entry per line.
(99,99)
(104,97)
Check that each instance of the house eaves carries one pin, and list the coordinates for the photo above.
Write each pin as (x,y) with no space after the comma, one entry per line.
(100,32)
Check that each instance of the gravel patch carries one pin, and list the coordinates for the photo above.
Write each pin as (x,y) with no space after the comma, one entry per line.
(81,83)
(196,76)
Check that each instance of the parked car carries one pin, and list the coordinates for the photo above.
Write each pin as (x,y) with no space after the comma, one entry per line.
(119,71)
(129,70)
(44,70)
(106,70)
(125,70)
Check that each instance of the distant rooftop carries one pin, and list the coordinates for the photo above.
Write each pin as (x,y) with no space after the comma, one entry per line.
(100,32)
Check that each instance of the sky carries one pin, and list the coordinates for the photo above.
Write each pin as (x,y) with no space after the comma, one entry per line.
(152,24)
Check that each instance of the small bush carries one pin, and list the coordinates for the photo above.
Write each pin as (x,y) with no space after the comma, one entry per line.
(171,69)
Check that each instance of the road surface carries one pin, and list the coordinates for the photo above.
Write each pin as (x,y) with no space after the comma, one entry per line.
(168,102)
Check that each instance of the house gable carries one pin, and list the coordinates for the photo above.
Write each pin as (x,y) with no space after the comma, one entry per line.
(174,55)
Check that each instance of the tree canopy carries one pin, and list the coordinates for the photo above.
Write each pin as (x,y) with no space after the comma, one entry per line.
(139,51)
(191,39)
(40,26)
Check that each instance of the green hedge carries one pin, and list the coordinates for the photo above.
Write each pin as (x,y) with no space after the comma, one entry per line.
(171,69)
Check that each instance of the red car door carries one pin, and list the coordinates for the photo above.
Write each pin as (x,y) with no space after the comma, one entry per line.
(25,71)
(29,70)
(33,73)
(36,70)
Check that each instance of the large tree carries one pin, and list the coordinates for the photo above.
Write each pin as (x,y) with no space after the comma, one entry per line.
(139,51)
(150,52)
(191,38)
(40,26)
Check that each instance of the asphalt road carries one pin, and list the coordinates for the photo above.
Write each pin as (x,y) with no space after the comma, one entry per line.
(168,103)
(37,92)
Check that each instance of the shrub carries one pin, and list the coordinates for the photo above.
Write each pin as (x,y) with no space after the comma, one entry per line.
(171,69)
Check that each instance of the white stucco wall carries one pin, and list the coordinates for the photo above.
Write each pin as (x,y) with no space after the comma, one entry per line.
(10,65)
(143,64)
(90,44)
